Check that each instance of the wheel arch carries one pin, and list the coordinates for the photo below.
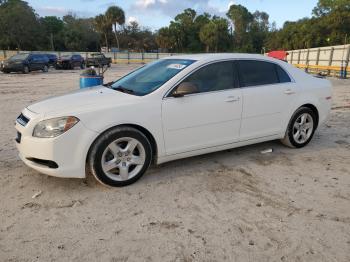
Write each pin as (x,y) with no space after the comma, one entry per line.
(314,109)
(140,128)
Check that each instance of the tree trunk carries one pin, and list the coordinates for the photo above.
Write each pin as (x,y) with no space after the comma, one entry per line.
(116,37)
(106,39)
(51,41)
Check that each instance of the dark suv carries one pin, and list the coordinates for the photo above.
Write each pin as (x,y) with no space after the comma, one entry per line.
(70,62)
(25,63)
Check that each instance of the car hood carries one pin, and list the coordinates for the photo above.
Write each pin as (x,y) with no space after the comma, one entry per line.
(83,100)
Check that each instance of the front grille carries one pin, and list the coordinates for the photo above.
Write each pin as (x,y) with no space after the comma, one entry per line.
(22,120)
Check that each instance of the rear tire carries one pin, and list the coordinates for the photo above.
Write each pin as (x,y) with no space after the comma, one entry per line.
(119,157)
(301,128)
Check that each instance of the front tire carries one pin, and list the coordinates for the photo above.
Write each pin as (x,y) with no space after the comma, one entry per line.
(301,128)
(25,70)
(45,69)
(120,156)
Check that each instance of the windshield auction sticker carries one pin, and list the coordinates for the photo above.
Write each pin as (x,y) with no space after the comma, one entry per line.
(176,66)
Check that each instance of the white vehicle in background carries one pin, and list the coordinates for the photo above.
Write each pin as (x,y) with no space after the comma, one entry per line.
(173,108)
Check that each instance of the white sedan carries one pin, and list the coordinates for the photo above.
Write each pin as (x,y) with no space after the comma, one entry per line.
(173,108)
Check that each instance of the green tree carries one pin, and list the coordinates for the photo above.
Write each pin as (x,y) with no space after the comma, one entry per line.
(19,25)
(241,19)
(258,32)
(215,34)
(52,26)
(79,34)
(325,7)
(102,26)
(165,38)
(115,15)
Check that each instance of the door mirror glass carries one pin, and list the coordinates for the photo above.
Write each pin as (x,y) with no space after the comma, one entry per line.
(185,88)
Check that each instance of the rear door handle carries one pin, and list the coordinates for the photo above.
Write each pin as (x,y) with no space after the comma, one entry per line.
(289,92)
(233,99)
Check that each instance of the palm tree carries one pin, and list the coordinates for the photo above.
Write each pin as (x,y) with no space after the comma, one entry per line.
(115,15)
(102,26)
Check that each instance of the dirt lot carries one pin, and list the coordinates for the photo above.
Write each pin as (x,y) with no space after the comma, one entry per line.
(237,205)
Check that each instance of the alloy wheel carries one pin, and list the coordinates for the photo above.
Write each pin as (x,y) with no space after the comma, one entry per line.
(123,159)
(303,128)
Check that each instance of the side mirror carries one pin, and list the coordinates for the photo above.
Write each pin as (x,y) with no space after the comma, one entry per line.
(185,88)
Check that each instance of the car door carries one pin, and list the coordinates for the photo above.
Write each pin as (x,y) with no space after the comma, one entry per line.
(74,61)
(31,62)
(267,91)
(208,118)
(35,62)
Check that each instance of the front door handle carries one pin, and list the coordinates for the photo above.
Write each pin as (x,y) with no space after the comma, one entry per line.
(289,92)
(233,99)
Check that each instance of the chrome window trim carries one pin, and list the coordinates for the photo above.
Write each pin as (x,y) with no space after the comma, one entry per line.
(192,72)
(292,80)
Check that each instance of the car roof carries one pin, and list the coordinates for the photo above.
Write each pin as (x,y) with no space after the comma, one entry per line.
(221,56)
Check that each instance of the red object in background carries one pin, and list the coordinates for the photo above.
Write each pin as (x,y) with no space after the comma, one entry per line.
(281,55)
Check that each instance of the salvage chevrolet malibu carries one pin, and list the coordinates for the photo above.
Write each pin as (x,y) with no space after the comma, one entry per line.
(170,109)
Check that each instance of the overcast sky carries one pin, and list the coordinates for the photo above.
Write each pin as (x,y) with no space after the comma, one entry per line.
(157,13)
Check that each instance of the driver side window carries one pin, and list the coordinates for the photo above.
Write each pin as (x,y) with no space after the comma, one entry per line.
(213,77)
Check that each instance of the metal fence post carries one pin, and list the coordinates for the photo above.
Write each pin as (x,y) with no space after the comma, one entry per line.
(157,55)
(299,53)
(291,57)
(128,57)
(307,60)
(5,53)
(330,61)
(142,58)
(345,64)
(318,56)
(114,56)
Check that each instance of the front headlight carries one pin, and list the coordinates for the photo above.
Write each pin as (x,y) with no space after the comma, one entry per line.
(54,127)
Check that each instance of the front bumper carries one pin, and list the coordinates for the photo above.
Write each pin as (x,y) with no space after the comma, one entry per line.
(12,68)
(68,151)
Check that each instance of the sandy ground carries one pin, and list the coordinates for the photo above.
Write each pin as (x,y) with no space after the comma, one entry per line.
(236,205)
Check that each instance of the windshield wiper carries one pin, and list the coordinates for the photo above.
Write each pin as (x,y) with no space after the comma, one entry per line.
(124,90)
(109,84)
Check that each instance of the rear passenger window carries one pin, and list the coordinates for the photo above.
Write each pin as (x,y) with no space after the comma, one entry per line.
(213,77)
(254,73)
(282,75)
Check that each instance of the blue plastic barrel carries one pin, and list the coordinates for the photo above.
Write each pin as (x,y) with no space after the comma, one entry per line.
(90,80)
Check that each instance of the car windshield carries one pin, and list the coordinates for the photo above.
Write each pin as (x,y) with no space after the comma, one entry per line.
(19,57)
(151,76)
